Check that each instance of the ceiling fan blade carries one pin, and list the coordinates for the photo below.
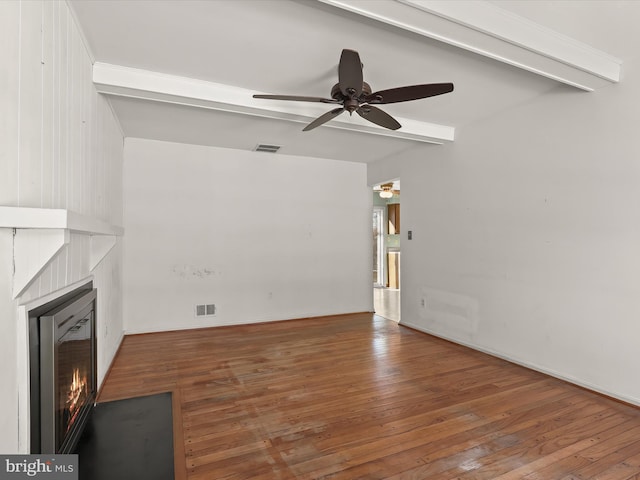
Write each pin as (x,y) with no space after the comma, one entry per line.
(405,94)
(297,98)
(377,116)
(350,73)
(323,119)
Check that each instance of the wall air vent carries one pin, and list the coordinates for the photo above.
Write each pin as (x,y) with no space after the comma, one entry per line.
(206,310)
(262,147)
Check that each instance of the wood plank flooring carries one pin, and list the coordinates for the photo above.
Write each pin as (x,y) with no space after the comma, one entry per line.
(358,396)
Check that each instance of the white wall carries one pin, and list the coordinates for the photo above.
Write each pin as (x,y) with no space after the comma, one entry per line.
(527,233)
(263,236)
(61,147)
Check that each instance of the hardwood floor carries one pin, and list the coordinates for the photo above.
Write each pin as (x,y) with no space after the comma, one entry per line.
(359,396)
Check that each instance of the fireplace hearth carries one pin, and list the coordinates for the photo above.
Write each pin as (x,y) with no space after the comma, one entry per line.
(62,349)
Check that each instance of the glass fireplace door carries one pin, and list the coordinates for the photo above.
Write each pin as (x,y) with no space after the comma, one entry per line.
(67,372)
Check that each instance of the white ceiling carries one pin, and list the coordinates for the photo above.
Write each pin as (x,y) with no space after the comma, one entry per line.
(293,47)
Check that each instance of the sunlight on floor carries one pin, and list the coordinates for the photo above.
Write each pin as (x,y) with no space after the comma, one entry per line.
(386,303)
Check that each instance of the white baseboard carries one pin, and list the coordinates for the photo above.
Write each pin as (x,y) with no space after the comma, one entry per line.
(529,365)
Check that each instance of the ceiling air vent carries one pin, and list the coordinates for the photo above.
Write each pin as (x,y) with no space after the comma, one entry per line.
(262,147)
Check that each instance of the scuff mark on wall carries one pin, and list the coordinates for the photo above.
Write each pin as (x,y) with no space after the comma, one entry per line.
(191,271)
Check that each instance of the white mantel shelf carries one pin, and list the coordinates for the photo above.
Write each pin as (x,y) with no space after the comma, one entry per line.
(41,233)
(58,218)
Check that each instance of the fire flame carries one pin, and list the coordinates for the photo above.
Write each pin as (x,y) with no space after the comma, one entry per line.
(77,393)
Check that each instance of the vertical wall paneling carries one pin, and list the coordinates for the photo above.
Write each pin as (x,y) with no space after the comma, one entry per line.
(88,177)
(9,179)
(48,32)
(61,147)
(8,351)
(55,102)
(46,155)
(30,103)
(72,102)
(63,110)
(9,101)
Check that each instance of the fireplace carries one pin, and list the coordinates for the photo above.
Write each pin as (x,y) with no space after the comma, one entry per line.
(62,348)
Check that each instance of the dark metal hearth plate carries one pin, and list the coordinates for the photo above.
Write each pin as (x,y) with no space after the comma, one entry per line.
(129,439)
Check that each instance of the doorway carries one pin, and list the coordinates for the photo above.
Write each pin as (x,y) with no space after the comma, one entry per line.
(378,247)
(386,250)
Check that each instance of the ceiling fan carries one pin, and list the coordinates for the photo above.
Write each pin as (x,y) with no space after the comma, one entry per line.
(353,94)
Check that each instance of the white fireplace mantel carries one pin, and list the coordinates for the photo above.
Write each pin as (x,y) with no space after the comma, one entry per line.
(41,233)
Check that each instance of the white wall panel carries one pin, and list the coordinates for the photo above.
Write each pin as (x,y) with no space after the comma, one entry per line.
(9,101)
(528,247)
(48,119)
(8,353)
(31,101)
(63,149)
(108,281)
(264,237)
(61,94)
(9,180)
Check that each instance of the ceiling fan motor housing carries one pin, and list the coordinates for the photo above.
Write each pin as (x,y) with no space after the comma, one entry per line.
(350,103)
(336,93)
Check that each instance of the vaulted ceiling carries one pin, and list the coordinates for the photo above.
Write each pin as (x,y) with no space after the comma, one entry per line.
(185,71)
